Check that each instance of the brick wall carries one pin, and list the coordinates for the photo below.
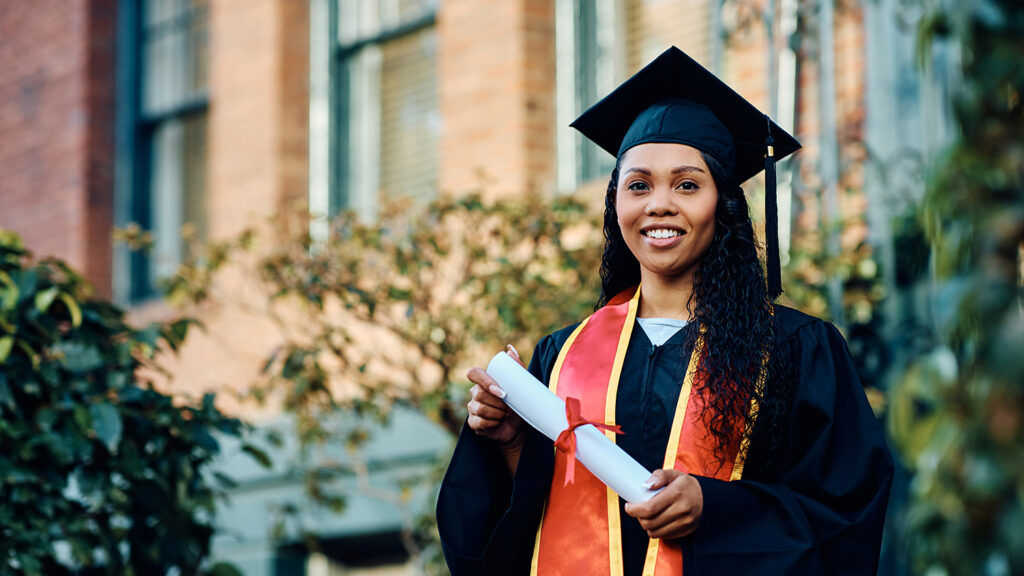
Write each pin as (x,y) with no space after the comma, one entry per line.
(243,129)
(497,69)
(293,83)
(258,165)
(258,122)
(57,62)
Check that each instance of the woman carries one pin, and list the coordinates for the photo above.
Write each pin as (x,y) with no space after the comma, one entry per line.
(750,413)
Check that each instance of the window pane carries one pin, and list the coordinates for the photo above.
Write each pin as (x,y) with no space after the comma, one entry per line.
(388,128)
(166,207)
(409,117)
(359,132)
(365,19)
(173,76)
(174,45)
(178,190)
(595,44)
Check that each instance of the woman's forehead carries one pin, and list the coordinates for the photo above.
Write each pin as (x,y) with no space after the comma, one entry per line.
(661,155)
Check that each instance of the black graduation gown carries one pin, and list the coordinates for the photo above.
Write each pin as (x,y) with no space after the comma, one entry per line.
(821,512)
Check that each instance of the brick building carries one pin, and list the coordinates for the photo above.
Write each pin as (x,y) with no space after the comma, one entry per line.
(203,111)
(216,113)
(57,102)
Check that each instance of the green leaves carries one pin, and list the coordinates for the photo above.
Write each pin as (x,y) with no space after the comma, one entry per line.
(957,414)
(258,454)
(9,292)
(107,424)
(73,310)
(78,357)
(223,569)
(90,454)
(45,298)
(393,312)
(175,332)
(6,343)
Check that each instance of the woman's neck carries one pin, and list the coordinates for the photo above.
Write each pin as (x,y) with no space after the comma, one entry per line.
(662,297)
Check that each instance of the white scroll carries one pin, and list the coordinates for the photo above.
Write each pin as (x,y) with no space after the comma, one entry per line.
(545,411)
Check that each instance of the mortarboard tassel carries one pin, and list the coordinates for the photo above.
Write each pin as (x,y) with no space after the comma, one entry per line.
(771,213)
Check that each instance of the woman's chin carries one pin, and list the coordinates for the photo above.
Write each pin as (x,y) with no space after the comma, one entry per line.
(665,271)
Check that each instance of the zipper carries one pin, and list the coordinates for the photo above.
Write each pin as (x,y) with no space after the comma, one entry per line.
(645,390)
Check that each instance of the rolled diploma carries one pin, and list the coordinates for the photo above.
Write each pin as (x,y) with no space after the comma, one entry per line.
(543,410)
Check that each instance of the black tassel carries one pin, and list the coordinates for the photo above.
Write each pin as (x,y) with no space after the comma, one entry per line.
(771,213)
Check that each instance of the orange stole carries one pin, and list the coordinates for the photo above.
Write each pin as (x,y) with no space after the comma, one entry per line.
(580,532)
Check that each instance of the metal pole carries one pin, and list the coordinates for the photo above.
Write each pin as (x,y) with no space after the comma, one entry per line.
(769,31)
(716,36)
(785,115)
(829,153)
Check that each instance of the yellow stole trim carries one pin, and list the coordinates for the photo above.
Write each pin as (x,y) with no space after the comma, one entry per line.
(614,520)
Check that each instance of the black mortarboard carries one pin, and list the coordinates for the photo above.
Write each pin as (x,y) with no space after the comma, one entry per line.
(675,99)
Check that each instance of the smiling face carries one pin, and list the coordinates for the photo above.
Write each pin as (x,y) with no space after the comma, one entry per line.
(665,202)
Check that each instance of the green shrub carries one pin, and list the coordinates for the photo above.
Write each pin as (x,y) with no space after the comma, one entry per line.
(99,471)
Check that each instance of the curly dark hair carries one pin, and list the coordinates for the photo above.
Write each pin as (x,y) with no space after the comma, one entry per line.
(731,303)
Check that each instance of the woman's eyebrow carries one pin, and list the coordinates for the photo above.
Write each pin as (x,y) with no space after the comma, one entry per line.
(643,171)
(681,169)
(676,170)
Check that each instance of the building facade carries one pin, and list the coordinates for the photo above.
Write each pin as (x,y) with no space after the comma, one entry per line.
(214,114)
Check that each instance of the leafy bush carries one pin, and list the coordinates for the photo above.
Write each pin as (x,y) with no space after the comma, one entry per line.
(99,471)
(394,312)
(958,416)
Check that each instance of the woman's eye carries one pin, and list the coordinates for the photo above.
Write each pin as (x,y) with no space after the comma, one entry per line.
(638,185)
(688,185)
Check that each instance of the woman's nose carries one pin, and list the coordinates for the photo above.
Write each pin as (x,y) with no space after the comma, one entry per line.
(659,203)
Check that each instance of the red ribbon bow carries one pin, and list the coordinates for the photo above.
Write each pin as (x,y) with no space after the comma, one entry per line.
(566,441)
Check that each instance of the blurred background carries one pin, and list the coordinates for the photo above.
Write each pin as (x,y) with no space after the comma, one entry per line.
(290,226)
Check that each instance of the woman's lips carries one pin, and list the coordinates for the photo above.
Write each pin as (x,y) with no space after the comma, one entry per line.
(662,237)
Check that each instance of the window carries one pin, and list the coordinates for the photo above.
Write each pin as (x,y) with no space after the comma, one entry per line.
(163,98)
(600,43)
(586,39)
(386,123)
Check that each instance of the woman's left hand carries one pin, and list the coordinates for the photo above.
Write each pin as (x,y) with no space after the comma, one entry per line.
(675,511)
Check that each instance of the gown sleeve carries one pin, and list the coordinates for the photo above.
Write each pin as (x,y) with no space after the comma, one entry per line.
(486,518)
(824,513)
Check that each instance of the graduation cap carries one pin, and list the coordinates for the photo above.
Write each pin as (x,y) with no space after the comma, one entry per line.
(674,99)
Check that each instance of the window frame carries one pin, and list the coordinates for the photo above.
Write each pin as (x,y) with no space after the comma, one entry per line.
(340,171)
(594,55)
(135,132)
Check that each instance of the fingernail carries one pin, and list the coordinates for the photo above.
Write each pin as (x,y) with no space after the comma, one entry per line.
(513,351)
(650,482)
(497,392)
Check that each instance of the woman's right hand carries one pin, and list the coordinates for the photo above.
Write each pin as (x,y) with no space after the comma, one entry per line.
(489,416)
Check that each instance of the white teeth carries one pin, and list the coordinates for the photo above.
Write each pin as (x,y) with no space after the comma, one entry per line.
(662,233)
